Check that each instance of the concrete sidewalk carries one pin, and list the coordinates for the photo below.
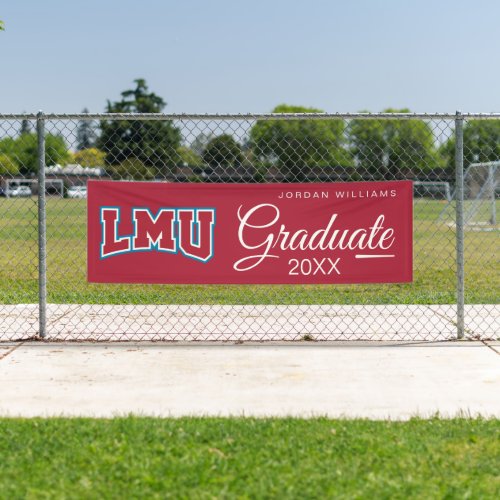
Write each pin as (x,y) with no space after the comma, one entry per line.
(249,323)
(394,381)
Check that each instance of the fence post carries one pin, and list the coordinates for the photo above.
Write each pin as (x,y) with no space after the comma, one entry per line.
(493,202)
(459,200)
(42,228)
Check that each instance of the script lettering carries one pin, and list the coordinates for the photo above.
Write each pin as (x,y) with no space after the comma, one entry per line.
(268,235)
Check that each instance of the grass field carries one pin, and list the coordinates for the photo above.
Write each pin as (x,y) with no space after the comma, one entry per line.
(249,458)
(434,266)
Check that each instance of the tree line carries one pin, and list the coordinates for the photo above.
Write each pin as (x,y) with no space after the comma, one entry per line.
(295,150)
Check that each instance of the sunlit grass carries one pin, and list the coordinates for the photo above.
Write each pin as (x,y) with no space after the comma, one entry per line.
(249,458)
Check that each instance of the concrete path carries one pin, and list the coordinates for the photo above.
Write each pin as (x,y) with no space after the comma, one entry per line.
(394,381)
(405,322)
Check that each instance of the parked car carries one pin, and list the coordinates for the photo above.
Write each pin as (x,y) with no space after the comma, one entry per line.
(77,192)
(19,191)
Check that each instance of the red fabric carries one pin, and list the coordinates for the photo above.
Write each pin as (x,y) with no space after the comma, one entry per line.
(357,232)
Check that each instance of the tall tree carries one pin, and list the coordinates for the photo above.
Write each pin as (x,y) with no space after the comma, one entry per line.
(481,143)
(200,142)
(297,146)
(393,149)
(86,134)
(7,165)
(223,152)
(153,143)
(25,127)
(90,157)
(189,157)
(369,145)
(23,150)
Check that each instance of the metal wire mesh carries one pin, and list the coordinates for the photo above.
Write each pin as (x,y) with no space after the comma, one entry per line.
(18,230)
(482,236)
(244,149)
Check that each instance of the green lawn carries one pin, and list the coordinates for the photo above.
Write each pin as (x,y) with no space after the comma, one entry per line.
(434,267)
(249,458)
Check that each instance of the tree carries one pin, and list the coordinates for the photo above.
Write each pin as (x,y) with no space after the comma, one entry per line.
(131,169)
(153,143)
(223,152)
(86,134)
(369,145)
(7,165)
(189,157)
(200,142)
(25,127)
(392,149)
(23,150)
(298,146)
(91,157)
(2,26)
(481,143)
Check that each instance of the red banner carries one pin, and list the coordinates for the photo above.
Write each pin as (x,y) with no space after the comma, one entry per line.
(357,232)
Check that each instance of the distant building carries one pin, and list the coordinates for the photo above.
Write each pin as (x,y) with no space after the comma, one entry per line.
(74,174)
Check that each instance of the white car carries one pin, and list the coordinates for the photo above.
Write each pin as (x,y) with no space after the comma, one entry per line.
(77,192)
(19,191)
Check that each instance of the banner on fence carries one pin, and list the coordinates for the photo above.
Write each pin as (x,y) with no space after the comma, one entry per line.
(148,232)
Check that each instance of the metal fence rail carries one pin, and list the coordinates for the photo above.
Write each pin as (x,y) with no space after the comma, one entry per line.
(46,160)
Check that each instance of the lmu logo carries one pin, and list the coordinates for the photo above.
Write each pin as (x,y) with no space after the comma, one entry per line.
(189,231)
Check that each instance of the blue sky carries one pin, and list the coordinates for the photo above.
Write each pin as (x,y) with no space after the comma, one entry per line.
(248,56)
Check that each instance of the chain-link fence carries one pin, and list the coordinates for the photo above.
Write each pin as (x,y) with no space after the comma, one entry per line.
(46,161)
